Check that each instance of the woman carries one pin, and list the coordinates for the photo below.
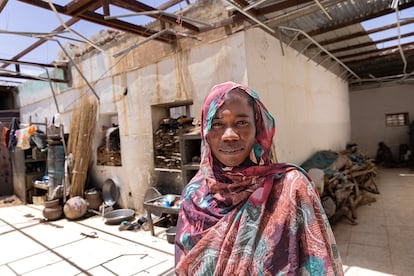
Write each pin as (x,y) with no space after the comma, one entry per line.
(241,214)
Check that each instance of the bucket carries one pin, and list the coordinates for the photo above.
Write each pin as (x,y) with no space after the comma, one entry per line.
(170,232)
(94,199)
(55,166)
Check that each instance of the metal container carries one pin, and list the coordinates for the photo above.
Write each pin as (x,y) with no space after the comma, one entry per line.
(119,215)
(94,199)
(110,191)
(55,167)
(170,232)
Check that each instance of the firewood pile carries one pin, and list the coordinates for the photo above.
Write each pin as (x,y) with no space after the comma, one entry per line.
(167,141)
(109,152)
(348,181)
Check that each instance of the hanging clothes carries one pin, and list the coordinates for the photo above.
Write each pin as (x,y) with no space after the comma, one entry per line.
(14,125)
(5,131)
(23,137)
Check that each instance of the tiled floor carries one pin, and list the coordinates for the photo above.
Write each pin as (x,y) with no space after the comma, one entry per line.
(382,243)
(30,246)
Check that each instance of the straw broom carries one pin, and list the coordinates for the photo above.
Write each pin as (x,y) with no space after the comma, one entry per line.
(80,143)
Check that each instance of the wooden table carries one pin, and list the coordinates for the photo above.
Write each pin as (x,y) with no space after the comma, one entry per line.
(157,205)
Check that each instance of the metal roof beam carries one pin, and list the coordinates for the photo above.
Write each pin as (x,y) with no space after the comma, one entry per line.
(385,59)
(359,19)
(364,33)
(75,7)
(281,6)
(29,77)
(137,6)
(380,52)
(9,61)
(371,43)
(39,42)
(99,19)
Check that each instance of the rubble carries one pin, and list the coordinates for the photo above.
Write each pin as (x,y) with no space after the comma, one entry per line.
(348,182)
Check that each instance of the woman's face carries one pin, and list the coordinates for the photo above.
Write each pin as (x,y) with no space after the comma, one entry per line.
(233,130)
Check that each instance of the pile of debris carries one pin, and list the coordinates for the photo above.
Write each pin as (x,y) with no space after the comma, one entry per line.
(167,141)
(109,152)
(345,180)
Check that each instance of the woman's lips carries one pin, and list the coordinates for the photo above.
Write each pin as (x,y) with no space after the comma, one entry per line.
(231,151)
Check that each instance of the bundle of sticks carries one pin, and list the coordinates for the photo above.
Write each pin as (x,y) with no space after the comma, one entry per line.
(80,142)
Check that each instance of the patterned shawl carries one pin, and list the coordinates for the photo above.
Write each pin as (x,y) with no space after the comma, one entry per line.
(264,219)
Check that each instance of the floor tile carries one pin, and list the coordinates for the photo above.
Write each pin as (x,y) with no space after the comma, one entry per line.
(6,271)
(35,262)
(16,246)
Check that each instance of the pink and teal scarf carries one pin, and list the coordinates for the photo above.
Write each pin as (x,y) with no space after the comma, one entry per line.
(265,219)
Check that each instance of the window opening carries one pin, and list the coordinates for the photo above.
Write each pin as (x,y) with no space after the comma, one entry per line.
(396,119)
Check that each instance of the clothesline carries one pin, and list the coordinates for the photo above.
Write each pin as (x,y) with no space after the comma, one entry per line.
(18,134)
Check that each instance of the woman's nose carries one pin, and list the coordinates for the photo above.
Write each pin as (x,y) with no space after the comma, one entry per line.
(229,134)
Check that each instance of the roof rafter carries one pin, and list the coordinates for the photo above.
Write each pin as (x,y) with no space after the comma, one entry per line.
(359,19)
(97,18)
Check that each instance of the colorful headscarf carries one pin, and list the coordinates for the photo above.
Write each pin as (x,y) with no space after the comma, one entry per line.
(264,219)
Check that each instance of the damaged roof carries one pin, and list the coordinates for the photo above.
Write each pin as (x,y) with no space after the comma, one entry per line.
(332,33)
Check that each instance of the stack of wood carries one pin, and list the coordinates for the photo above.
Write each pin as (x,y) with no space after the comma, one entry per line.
(167,141)
(348,182)
(109,152)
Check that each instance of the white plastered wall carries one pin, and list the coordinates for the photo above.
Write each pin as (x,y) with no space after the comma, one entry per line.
(368,109)
(310,105)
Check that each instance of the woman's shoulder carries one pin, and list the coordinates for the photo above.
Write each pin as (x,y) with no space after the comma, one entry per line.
(297,178)
(291,170)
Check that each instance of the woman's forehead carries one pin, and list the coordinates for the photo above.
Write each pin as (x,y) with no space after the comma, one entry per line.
(237,93)
(237,103)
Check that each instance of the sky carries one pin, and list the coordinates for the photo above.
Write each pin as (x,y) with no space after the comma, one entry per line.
(21,17)
(390,19)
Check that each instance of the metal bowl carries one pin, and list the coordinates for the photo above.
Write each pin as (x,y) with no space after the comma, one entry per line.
(119,215)
(110,192)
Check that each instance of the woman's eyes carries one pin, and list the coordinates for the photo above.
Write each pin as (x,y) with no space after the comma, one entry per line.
(219,124)
(242,123)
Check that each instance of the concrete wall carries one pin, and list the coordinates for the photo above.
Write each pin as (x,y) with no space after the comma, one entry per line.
(368,109)
(310,105)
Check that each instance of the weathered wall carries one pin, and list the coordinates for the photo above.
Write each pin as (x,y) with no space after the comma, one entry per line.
(368,110)
(310,106)
(187,75)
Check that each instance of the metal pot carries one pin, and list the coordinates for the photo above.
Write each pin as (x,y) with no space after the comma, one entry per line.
(170,232)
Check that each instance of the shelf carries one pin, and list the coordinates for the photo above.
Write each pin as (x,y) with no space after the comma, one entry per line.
(41,186)
(190,148)
(167,170)
(191,166)
(34,160)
